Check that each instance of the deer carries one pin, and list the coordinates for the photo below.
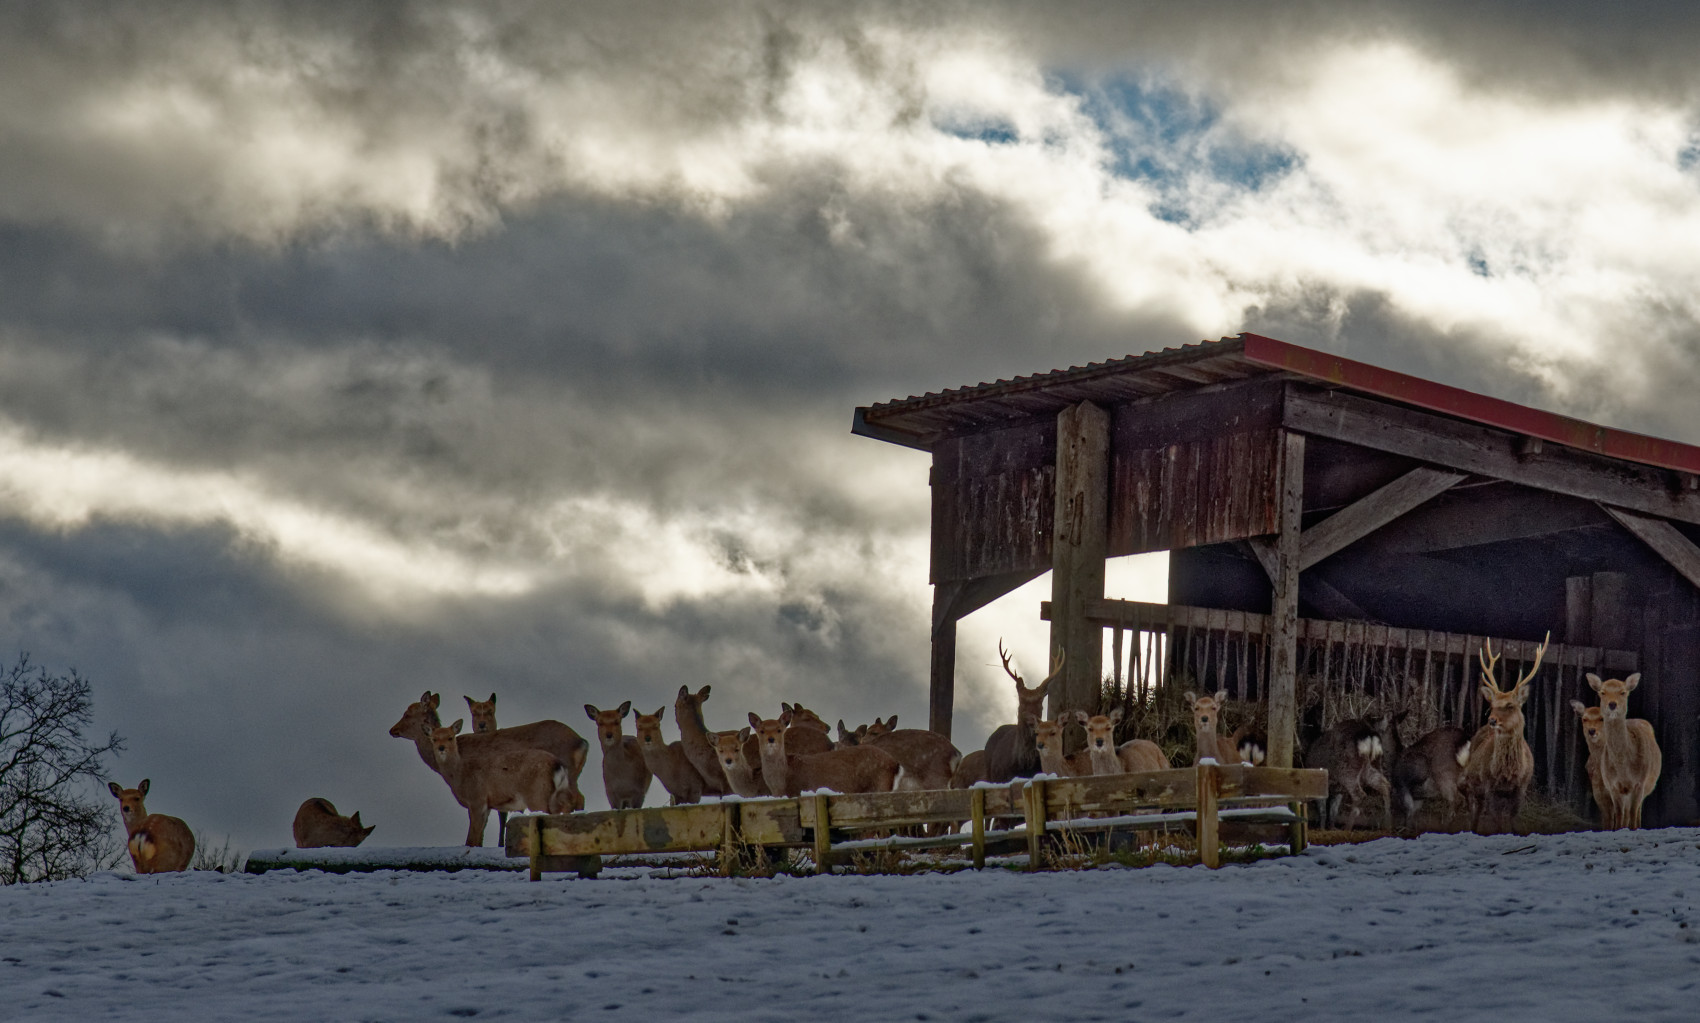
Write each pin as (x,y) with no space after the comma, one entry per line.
(698,742)
(483,713)
(1430,768)
(970,770)
(1496,779)
(1010,752)
(667,760)
(1630,759)
(1592,724)
(485,778)
(929,759)
(158,844)
(1206,721)
(858,769)
(1048,744)
(318,826)
(548,735)
(807,733)
(1101,751)
(1351,752)
(732,750)
(625,776)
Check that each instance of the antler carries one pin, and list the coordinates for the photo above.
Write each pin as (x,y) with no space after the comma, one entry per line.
(1488,661)
(1058,659)
(1540,652)
(1002,653)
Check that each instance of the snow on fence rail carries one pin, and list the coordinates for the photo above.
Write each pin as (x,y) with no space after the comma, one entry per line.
(820,821)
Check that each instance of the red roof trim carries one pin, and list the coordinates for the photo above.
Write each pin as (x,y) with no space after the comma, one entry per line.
(1455,401)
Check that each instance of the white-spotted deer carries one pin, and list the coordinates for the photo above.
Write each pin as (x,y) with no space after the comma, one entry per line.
(158,844)
(1010,752)
(485,778)
(1630,759)
(625,777)
(667,760)
(858,769)
(318,826)
(1496,780)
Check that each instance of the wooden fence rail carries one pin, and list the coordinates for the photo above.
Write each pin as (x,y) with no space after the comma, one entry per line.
(826,823)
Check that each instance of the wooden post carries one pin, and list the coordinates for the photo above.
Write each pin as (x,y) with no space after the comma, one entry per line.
(1296,838)
(977,814)
(1284,607)
(1079,546)
(823,835)
(1034,806)
(941,699)
(1578,611)
(1611,614)
(729,842)
(1209,783)
(537,847)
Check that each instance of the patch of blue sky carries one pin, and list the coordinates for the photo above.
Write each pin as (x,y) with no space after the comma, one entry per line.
(1177,144)
(1688,157)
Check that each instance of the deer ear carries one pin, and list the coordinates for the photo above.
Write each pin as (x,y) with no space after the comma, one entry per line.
(1578,707)
(115,790)
(684,691)
(492,699)
(590,712)
(1082,717)
(1594,681)
(755,722)
(456,727)
(1116,716)
(434,699)
(1221,697)
(892,723)
(143,787)
(785,708)
(1489,692)
(660,713)
(469,700)
(1631,682)
(355,820)
(625,708)
(744,734)
(785,715)
(702,694)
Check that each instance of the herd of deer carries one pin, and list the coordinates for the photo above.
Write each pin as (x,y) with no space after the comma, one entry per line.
(536,766)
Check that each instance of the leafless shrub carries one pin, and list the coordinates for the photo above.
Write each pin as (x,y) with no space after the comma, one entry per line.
(50,825)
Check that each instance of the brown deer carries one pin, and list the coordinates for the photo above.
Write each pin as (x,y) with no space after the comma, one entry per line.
(698,741)
(1351,752)
(732,750)
(158,844)
(319,826)
(808,733)
(929,759)
(1592,724)
(485,778)
(1496,780)
(969,770)
(1630,757)
(483,713)
(625,777)
(858,769)
(1430,768)
(1206,722)
(1048,744)
(667,760)
(548,735)
(1010,752)
(1101,749)
(1141,755)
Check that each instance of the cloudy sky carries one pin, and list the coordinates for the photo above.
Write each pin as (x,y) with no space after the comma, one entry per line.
(349,350)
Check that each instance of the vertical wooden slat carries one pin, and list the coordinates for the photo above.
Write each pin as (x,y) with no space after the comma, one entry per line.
(823,834)
(1284,605)
(729,841)
(1078,551)
(977,818)
(537,847)
(941,694)
(1034,805)
(1209,784)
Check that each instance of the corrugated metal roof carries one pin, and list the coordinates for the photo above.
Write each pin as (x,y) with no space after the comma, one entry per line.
(919,421)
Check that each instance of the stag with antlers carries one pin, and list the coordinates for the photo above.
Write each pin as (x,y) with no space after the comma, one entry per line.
(1010,752)
(1496,780)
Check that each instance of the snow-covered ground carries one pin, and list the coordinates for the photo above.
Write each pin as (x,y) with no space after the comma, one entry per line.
(1453,927)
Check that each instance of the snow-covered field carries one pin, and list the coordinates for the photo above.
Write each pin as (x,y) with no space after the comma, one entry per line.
(1453,927)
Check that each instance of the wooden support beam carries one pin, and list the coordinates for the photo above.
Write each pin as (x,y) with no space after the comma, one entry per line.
(1079,548)
(1363,517)
(1472,448)
(1284,606)
(1664,538)
(1327,600)
(941,687)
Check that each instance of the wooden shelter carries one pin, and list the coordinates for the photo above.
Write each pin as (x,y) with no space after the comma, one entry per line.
(1333,527)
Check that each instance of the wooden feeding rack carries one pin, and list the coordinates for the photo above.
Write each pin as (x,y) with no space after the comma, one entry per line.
(835,825)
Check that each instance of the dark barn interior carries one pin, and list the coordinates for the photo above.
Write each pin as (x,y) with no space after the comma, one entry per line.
(1334,529)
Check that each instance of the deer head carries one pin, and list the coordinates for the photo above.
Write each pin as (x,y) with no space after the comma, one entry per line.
(1100,729)
(804,718)
(419,717)
(649,730)
(608,723)
(1592,723)
(1048,738)
(729,749)
(770,733)
(1614,694)
(443,741)
(483,713)
(1030,701)
(1505,706)
(1206,710)
(130,804)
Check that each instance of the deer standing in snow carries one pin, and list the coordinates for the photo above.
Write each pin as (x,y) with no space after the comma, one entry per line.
(318,826)
(158,844)
(625,777)
(1630,760)
(485,778)
(1430,768)
(1496,780)
(1207,722)
(1351,752)
(1592,723)
(1010,752)
(698,741)
(858,769)
(667,760)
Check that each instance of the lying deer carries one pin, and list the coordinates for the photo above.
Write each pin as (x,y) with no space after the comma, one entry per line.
(667,760)
(625,777)
(318,826)
(1496,779)
(1206,722)
(858,769)
(1630,759)
(1351,752)
(1010,752)
(485,778)
(698,742)
(158,844)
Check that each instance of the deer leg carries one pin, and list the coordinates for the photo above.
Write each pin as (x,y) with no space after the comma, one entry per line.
(477,815)
(502,828)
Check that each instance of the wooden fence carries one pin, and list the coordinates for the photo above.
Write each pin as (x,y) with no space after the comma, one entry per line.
(827,823)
